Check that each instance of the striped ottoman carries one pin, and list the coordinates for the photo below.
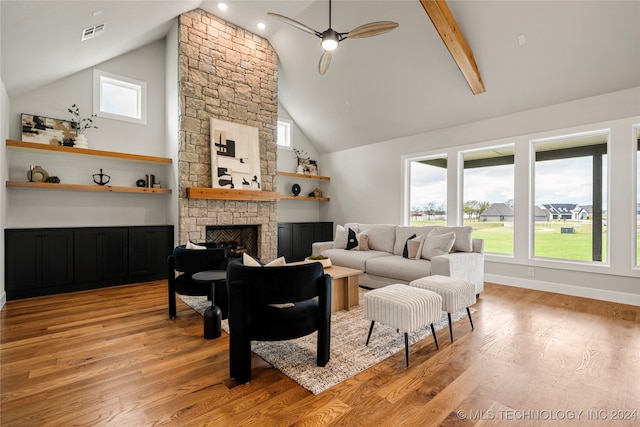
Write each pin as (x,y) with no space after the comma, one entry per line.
(456,294)
(404,308)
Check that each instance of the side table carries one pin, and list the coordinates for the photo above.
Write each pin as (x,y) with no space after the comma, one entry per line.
(213,314)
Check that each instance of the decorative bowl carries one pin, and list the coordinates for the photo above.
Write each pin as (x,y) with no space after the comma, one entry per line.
(326,263)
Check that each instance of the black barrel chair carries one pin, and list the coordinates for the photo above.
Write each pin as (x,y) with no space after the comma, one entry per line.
(187,262)
(252,317)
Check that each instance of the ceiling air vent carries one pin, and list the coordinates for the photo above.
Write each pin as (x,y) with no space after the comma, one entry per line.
(93,31)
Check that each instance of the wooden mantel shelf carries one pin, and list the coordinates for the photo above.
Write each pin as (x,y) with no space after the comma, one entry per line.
(227,194)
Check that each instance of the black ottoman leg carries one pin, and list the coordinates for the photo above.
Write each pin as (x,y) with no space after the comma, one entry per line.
(370,330)
(470,320)
(406,348)
(435,339)
(450,328)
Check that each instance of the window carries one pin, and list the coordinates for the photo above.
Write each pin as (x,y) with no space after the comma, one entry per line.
(570,197)
(120,98)
(428,191)
(284,133)
(488,197)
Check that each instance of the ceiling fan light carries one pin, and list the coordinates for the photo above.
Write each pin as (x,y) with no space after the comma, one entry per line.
(329,44)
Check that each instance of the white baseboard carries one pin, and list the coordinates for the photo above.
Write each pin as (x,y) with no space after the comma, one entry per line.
(3,300)
(559,288)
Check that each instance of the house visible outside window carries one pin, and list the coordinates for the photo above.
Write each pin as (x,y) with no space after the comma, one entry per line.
(427,191)
(488,197)
(570,175)
(120,98)
(284,134)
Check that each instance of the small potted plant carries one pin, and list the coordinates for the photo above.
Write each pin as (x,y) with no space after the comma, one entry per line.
(81,124)
(324,260)
(303,160)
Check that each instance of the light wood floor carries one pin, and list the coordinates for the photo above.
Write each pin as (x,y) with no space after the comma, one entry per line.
(112,357)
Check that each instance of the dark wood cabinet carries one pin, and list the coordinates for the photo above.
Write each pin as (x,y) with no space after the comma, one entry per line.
(37,260)
(149,248)
(295,238)
(57,260)
(100,255)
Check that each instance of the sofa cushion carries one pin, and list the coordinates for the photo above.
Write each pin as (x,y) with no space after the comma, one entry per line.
(405,251)
(352,241)
(438,244)
(464,240)
(352,259)
(414,247)
(403,233)
(381,236)
(363,242)
(342,236)
(399,268)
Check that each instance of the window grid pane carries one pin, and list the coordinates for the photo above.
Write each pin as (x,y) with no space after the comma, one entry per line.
(428,192)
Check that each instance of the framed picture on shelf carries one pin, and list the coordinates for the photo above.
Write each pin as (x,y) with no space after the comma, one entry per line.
(312,168)
(45,130)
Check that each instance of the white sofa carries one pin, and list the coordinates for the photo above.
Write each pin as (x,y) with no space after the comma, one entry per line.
(384,263)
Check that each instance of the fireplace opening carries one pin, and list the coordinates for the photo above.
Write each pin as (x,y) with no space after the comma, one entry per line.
(236,239)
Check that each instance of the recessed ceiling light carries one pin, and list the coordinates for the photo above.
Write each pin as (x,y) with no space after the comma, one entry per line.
(223,6)
(522,39)
(98,12)
(261,25)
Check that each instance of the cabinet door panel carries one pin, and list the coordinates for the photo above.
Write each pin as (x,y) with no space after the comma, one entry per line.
(22,260)
(285,242)
(114,253)
(100,254)
(37,259)
(149,248)
(302,239)
(57,258)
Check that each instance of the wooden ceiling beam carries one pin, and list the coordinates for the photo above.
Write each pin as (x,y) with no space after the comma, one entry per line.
(446,25)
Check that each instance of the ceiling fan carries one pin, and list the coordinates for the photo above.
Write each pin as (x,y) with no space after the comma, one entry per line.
(330,38)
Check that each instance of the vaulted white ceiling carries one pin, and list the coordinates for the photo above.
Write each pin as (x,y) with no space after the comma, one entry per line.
(401,83)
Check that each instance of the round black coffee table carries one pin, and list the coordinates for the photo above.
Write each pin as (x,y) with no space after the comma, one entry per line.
(213,314)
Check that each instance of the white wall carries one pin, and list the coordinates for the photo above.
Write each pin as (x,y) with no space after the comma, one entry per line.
(367,187)
(295,210)
(38,208)
(4,133)
(172,122)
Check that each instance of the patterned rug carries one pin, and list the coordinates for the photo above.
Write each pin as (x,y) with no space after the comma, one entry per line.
(349,355)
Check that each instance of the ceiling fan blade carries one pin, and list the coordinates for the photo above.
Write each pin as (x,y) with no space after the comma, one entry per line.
(371,29)
(295,23)
(325,61)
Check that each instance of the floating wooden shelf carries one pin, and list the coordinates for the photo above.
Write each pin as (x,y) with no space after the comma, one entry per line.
(316,199)
(298,175)
(85,152)
(82,187)
(227,194)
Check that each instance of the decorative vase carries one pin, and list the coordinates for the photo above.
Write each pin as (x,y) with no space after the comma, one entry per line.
(37,174)
(300,169)
(81,142)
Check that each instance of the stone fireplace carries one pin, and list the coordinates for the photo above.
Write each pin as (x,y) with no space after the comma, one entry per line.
(226,73)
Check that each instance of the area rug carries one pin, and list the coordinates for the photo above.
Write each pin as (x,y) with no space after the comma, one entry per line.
(349,355)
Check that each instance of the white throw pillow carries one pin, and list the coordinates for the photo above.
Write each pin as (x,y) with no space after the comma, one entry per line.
(414,246)
(438,244)
(278,262)
(250,261)
(342,234)
(464,238)
(191,245)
